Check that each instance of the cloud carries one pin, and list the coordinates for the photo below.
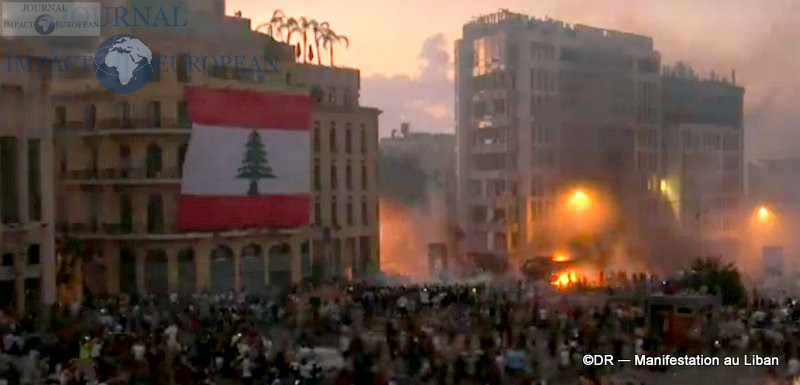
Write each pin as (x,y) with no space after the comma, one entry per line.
(424,100)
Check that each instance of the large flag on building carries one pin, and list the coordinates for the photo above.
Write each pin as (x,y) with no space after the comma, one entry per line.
(247,164)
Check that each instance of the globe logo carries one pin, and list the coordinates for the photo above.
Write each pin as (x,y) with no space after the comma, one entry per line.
(123,64)
(44,24)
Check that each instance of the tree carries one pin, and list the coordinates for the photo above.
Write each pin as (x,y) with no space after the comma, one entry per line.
(319,30)
(305,24)
(291,26)
(254,165)
(328,38)
(719,279)
(275,24)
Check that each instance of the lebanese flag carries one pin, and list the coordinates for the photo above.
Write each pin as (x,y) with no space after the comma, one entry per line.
(247,164)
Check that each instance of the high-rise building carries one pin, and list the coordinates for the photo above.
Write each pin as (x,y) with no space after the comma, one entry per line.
(27,269)
(120,158)
(542,106)
(704,151)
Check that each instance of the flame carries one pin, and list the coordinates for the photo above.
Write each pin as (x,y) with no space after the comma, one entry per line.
(405,233)
(561,257)
(565,279)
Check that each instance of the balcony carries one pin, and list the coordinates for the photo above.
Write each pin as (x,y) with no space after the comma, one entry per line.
(121,176)
(505,173)
(492,121)
(489,148)
(159,231)
(117,127)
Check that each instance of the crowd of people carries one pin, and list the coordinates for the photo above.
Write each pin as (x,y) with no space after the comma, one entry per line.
(509,333)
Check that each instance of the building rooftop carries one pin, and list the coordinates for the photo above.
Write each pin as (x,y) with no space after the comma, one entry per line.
(504,18)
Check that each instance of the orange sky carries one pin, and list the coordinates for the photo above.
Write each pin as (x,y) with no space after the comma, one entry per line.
(386,35)
(757,37)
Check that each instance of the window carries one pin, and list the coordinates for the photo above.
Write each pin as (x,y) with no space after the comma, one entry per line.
(348,97)
(157,68)
(33,254)
(363,139)
(317,176)
(124,159)
(34,180)
(90,116)
(334,178)
(153,161)
(184,120)
(155,114)
(350,211)
(95,159)
(181,157)
(125,214)
(62,161)
(332,137)
(364,212)
(317,212)
(730,142)
(9,191)
(125,115)
(316,134)
(542,51)
(93,208)
(8,259)
(348,176)
(183,68)
(364,180)
(60,120)
(155,214)
(219,72)
(334,212)
(348,139)
(332,95)
(477,214)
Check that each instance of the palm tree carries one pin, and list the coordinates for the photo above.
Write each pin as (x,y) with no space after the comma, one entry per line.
(313,25)
(332,38)
(275,24)
(292,26)
(319,30)
(327,39)
(305,24)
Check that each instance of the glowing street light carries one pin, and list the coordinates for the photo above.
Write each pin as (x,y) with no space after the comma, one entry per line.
(579,200)
(764,214)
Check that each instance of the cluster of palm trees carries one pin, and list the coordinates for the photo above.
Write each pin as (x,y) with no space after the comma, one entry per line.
(280,27)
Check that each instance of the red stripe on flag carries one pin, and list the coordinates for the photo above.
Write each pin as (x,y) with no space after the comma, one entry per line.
(218,213)
(248,109)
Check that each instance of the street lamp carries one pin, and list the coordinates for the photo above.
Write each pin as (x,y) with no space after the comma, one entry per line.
(579,200)
(764,214)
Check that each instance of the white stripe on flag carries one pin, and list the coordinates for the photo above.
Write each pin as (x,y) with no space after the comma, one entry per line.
(216,153)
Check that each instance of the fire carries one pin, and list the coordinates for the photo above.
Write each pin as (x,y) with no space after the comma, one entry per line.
(565,279)
(561,257)
(405,233)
